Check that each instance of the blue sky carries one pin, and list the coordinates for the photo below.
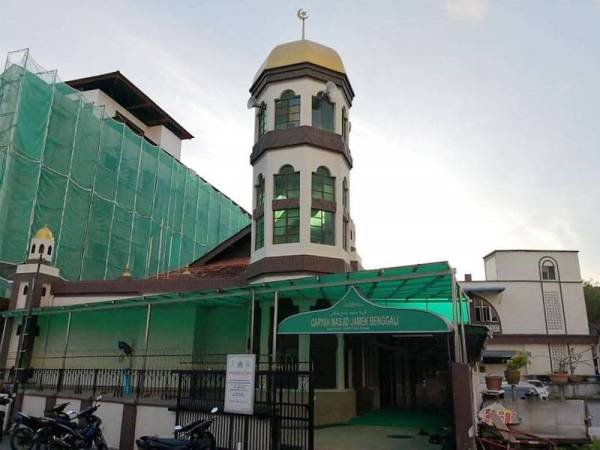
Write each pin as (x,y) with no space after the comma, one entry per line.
(475,125)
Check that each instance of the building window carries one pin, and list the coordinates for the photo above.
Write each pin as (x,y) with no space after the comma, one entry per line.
(287,110)
(322,112)
(49,250)
(323,185)
(485,314)
(287,183)
(33,248)
(554,311)
(25,289)
(346,216)
(548,271)
(344,124)
(259,238)
(286,226)
(41,250)
(322,227)
(262,119)
(43,291)
(260,192)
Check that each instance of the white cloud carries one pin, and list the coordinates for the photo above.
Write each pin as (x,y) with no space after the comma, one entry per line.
(469,10)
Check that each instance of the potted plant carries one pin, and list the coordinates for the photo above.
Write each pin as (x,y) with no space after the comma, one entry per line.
(560,377)
(513,367)
(493,382)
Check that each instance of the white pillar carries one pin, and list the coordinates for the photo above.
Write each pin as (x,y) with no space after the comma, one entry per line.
(340,384)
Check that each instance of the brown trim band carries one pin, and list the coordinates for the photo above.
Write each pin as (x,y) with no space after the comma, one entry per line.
(297,263)
(324,205)
(303,135)
(285,203)
(258,212)
(583,339)
(295,71)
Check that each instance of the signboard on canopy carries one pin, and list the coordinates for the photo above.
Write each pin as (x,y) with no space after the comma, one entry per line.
(239,384)
(355,314)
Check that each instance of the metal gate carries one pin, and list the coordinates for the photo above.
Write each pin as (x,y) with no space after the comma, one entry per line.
(283,408)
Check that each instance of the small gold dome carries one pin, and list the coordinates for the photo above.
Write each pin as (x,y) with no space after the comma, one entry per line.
(44,233)
(303,51)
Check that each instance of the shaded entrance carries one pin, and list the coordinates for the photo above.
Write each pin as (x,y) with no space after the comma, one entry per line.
(393,357)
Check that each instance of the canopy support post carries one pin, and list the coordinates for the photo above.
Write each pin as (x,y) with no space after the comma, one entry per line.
(462,325)
(252,311)
(147,334)
(275,320)
(67,336)
(457,342)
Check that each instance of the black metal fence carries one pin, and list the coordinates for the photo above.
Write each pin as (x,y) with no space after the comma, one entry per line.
(283,416)
(283,408)
(138,383)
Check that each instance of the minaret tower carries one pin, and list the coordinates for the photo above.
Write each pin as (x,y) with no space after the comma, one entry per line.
(301,164)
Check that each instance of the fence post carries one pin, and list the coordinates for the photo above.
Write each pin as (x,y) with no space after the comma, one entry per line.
(59,382)
(95,382)
(178,407)
(311,408)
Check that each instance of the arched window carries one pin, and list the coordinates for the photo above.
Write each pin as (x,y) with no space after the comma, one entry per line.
(286,226)
(323,185)
(548,270)
(322,112)
(287,183)
(322,227)
(43,291)
(41,249)
(346,216)
(262,119)
(486,314)
(33,249)
(259,237)
(25,289)
(287,110)
(260,192)
(344,124)
(49,250)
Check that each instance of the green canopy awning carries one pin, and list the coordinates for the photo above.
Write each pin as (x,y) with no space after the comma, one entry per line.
(354,314)
(426,287)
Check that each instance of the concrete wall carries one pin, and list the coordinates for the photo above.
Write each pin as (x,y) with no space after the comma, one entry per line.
(524,265)
(334,406)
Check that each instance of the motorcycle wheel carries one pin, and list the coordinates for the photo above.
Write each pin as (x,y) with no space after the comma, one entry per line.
(21,438)
(208,442)
(100,442)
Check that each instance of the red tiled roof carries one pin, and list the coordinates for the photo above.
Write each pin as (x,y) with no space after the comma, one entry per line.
(234,267)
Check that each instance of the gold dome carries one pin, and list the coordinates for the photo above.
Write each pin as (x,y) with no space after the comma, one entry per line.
(44,233)
(303,51)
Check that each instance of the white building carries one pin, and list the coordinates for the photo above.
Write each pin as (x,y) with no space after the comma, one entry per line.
(124,101)
(532,300)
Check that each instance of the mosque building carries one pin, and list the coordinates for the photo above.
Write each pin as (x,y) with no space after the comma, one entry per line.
(290,286)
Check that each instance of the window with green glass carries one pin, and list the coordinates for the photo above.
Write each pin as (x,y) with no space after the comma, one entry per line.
(262,120)
(344,124)
(322,227)
(322,112)
(323,185)
(287,110)
(287,183)
(260,192)
(259,238)
(286,226)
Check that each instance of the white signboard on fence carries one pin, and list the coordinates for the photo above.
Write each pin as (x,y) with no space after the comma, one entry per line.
(239,384)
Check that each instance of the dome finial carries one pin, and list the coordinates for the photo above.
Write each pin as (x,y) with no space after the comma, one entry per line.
(302,15)
(44,233)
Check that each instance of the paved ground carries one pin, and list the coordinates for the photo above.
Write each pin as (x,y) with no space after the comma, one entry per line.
(361,437)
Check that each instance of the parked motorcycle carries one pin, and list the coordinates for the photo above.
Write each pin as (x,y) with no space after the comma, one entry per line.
(25,426)
(200,437)
(84,431)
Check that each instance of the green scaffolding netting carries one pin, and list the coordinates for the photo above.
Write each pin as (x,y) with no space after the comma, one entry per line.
(111,198)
